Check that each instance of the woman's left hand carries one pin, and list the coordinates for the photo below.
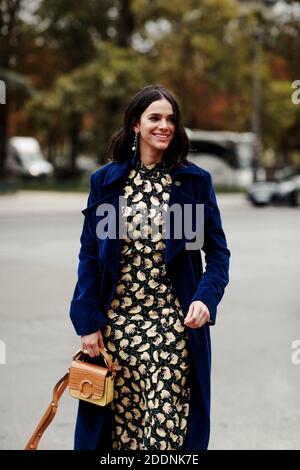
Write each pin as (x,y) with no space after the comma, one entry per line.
(197,315)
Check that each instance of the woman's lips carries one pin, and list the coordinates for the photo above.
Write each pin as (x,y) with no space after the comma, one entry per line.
(161,137)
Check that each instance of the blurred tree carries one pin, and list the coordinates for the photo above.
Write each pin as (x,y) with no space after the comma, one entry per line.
(199,51)
(86,59)
(204,52)
(70,28)
(98,90)
(284,53)
(73,31)
(13,34)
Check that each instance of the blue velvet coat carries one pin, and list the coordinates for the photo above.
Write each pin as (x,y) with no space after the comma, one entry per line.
(98,272)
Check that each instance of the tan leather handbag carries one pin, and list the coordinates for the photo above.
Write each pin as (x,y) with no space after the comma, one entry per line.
(91,382)
(87,380)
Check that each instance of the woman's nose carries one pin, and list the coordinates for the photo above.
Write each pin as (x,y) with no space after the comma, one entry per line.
(163,124)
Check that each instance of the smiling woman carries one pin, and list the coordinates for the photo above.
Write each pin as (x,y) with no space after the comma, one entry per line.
(156,129)
(145,297)
(152,120)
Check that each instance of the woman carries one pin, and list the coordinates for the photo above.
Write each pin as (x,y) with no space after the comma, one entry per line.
(143,295)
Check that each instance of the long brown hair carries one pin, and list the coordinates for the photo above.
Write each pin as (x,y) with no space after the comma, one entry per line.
(120,147)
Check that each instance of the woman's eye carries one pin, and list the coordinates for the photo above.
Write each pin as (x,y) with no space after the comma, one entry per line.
(155,118)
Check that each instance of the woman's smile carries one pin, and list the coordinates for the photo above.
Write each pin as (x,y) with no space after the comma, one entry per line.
(162,137)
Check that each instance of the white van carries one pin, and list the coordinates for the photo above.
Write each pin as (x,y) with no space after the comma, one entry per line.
(25,158)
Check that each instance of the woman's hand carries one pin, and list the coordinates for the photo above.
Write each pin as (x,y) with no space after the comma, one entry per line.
(197,315)
(91,343)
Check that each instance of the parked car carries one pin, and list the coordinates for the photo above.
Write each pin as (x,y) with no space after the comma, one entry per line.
(285,189)
(25,158)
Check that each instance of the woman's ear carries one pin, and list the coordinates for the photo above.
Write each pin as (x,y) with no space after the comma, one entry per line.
(136,128)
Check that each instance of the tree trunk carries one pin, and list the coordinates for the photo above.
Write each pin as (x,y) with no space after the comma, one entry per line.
(51,148)
(125,23)
(9,22)
(75,123)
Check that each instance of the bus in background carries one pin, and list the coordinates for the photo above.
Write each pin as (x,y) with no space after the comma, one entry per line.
(228,156)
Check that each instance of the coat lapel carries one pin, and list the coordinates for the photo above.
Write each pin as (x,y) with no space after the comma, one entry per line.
(192,214)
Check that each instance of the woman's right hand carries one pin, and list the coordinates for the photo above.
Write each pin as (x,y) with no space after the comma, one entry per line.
(91,343)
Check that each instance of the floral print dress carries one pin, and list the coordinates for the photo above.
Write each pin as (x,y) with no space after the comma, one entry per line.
(145,334)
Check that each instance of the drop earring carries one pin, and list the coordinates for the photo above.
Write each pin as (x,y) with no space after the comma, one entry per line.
(135,142)
(135,149)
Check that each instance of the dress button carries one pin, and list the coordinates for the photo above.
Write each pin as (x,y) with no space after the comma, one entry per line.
(178,183)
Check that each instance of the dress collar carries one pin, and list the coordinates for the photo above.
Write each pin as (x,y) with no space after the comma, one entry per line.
(119,170)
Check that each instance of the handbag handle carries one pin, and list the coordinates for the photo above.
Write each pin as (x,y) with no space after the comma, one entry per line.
(107,358)
(58,390)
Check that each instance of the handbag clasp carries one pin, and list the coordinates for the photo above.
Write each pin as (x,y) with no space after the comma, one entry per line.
(81,388)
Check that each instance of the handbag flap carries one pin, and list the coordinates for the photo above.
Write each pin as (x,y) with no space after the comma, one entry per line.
(88,379)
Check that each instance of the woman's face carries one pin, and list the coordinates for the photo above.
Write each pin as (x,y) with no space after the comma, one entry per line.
(157,126)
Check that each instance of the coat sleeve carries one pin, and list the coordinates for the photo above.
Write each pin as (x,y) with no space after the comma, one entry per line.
(216,276)
(85,313)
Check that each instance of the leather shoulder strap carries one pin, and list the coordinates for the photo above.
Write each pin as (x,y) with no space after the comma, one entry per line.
(58,390)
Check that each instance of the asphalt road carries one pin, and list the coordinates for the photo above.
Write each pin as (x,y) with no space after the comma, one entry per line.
(255,385)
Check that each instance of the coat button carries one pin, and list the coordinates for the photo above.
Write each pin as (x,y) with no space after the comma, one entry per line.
(178,183)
